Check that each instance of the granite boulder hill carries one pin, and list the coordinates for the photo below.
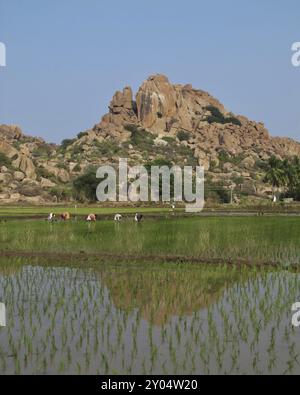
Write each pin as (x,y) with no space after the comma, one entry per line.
(175,123)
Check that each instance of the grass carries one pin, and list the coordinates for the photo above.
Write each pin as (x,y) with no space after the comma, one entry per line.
(80,210)
(254,239)
(93,315)
(6,211)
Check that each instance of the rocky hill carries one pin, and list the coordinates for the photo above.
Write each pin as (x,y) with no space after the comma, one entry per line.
(174,123)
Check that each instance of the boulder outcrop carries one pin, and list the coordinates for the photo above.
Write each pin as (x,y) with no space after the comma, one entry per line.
(176,122)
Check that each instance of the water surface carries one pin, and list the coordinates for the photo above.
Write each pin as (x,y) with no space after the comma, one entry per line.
(147,319)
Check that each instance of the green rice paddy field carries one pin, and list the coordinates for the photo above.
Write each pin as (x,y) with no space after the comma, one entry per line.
(176,295)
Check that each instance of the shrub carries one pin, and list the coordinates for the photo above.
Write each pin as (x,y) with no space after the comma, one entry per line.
(61,193)
(42,150)
(224,195)
(4,160)
(233,120)
(77,150)
(85,185)
(224,157)
(77,168)
(216,192)
(141,138)
(82,134)
(169,140)
(131,128)
(183,135)
(66,143)
(238,180)
(262,165)
(217,117)
(188,154)
(213,165)
(158,162)
(42,172)
(107,148)
(62,166)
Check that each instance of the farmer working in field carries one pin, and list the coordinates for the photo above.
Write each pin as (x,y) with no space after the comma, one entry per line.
(65,216)
(91,218)
(51,217)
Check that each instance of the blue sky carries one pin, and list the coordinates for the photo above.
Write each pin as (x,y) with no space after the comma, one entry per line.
(66,58)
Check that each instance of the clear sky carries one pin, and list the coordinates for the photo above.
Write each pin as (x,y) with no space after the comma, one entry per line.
(66,58)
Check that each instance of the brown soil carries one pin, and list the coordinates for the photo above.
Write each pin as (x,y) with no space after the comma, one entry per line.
(85,257)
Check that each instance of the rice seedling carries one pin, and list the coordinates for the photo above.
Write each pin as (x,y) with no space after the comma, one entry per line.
(90,315)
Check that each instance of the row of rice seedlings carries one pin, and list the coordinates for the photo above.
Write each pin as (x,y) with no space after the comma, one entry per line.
(63,320)
(266,239)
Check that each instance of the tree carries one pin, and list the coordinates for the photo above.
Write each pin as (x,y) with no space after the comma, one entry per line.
(85,185)
(275,174)
(292,176)
(275,177)
(286,174)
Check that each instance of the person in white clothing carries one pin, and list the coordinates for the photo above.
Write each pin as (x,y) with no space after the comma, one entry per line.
(51,217)
(138,217)
(92,218)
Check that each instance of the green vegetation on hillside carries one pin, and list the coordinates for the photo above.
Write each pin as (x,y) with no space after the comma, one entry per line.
(140,138)
(284,174)
(217,117)
(66,143)
(224,157)
(42,151)
(183,135)
(108,148)
(85,185)
(4,160)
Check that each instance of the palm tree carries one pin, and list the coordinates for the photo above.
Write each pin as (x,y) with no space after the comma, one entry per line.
(292,174)
(274,162)
(284,173)
(275,174)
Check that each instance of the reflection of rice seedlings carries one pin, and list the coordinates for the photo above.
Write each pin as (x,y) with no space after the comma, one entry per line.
(67,319)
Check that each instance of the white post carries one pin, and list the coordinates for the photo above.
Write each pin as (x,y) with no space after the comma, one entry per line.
(231,193)
(2,315)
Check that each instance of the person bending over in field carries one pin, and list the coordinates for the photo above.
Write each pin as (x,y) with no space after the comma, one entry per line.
(138,217)
(91,218)
(51,217)
(65,216)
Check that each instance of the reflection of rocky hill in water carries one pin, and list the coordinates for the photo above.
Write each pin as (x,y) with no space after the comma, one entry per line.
(161,294)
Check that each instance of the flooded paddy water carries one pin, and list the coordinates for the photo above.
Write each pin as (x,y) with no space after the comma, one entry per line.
(104,316)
